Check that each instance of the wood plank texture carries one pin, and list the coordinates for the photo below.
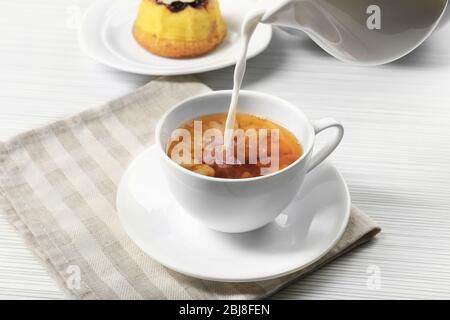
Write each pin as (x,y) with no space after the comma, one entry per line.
(395,155)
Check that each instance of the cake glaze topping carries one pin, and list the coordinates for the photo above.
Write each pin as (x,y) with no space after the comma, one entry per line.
(172,1)
(179,5)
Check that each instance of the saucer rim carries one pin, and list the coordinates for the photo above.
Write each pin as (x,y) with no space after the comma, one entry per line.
(170,266)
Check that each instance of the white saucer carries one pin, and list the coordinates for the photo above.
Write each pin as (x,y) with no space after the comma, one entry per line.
(105,35)
(302,234)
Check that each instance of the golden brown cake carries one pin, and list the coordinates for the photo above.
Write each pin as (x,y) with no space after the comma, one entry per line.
(179,28)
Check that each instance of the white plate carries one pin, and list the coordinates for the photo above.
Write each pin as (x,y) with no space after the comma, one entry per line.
(105,35)
(302,234)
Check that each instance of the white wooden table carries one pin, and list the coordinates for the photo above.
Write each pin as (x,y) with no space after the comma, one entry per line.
(395,156)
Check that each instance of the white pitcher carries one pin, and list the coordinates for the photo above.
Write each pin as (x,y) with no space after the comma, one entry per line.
(364,32)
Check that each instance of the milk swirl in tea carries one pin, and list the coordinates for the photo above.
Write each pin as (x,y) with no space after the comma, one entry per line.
(259,147)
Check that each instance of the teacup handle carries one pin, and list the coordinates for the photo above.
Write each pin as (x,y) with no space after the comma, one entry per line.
(322,125)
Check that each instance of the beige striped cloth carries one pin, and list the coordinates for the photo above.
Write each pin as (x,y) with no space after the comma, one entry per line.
(58,188)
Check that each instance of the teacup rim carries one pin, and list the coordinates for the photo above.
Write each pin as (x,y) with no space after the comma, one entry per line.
(178,105)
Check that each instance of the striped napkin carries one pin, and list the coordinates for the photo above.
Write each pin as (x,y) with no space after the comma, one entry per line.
(58,188)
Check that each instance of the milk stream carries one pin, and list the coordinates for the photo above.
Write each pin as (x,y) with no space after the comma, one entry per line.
(248,28)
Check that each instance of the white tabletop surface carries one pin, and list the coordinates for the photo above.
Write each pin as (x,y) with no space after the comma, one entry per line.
(395,156)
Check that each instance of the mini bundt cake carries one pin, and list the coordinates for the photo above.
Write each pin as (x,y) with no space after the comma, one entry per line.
(179,28)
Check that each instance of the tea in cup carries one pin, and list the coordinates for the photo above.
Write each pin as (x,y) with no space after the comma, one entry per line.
(222,188)
(260,147)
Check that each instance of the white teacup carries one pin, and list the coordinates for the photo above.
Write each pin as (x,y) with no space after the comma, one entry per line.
(242,205)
